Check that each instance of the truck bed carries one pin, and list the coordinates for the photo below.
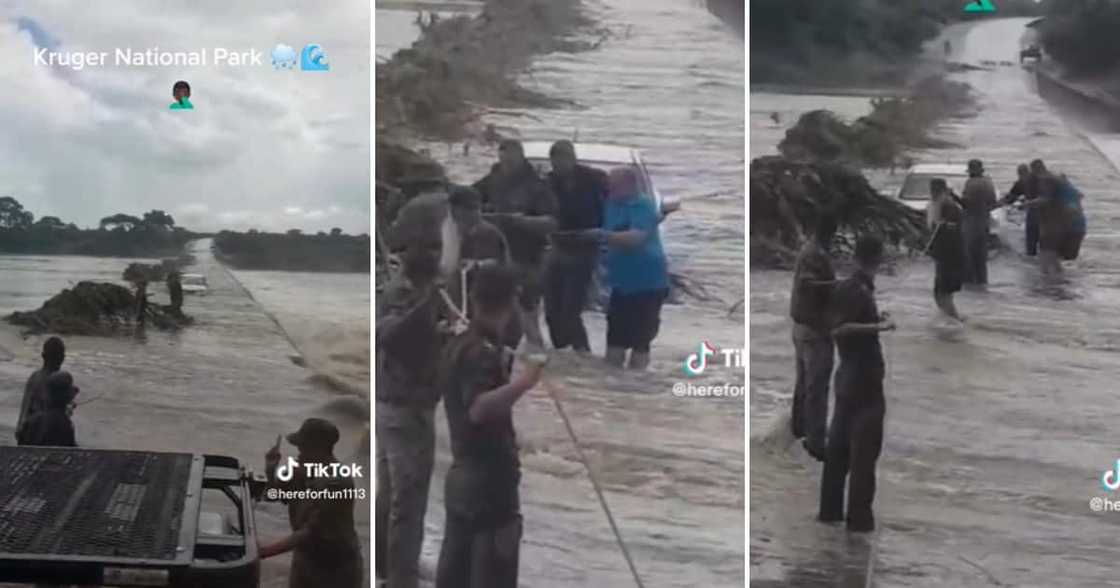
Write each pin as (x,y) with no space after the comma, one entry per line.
(73,502)
(99,517)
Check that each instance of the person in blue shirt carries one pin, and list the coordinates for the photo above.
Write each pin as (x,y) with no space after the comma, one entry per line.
(637,271)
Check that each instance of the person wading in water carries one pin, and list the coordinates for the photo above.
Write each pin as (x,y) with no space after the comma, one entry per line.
(581,192)
(813,279)
(978,198)
(482,534)
(1019,191)
(944,217)
(521,204)
(855,437)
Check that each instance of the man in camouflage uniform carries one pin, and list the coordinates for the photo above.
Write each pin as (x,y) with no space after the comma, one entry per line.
(482,535)
(522,205)
(408,343)
(324,543)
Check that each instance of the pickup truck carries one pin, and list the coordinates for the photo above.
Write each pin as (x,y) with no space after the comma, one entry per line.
(96,517)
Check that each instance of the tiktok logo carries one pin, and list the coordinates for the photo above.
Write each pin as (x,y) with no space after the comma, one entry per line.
(1111,478)
(285,472)
(698,362)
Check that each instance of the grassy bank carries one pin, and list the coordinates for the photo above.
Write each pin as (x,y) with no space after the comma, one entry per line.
(96,243)
(1081,35)
(152,234)
(293,251)
(871,44)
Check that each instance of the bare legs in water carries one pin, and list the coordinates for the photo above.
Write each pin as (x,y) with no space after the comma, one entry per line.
(1049,263)
(947,306)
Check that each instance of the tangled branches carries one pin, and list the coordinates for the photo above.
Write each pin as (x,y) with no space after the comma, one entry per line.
(787,197)
(879,138)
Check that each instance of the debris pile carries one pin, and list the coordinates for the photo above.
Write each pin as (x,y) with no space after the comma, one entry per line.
(786,198)
(93,308)
(401,174)
(141,273)
(879,138)
(436,86)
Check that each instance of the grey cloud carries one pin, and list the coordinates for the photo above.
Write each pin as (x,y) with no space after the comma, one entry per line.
(84,144)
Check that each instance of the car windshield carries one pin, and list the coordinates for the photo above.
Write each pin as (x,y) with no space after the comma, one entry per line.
(917,185)
(543,166)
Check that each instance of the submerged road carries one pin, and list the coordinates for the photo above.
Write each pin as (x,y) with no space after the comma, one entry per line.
(997,434)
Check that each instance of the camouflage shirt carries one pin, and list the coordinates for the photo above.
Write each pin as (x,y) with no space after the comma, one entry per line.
(408,343)
(486,469)
(521,192)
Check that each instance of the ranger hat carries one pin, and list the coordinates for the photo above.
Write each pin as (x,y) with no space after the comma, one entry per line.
(315,432)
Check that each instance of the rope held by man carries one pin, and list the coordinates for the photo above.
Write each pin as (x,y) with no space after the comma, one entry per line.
(579,451)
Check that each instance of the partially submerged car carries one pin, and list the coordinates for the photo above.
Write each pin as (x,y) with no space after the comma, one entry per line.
(194,284)
(604,157)
(914,192)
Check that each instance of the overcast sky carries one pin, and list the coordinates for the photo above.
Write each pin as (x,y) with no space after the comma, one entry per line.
(267,149)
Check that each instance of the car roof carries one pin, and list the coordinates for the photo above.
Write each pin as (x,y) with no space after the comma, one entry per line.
(948,169)
(600,152)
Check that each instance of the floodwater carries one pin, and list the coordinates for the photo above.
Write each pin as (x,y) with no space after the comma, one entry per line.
(996,433)
(672,468)
(226,385)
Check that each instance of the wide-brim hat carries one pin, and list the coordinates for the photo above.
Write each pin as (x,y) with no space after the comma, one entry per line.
(315,432)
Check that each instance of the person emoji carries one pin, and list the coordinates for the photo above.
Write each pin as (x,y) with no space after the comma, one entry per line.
(182,93)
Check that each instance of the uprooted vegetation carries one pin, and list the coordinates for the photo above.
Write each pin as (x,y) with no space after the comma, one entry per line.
(879,138)
(462,65)
(94,308)
(787,197)
(819,171)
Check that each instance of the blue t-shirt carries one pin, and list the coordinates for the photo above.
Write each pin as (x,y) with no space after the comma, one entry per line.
(637,269)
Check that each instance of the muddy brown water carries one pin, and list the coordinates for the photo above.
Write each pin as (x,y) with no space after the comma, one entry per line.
(997,434)
(670,82)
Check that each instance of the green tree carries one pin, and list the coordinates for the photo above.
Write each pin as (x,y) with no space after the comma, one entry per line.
(12,214)
(159,219)
(336,232)
(1081,34)
(294,232)
(120,221)
(50,222)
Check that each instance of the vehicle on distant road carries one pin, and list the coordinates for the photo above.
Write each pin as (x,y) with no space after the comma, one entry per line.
(1033,51)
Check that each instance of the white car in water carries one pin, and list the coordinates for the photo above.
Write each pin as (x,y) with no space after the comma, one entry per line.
(914,193)
(194,284)
(603,157)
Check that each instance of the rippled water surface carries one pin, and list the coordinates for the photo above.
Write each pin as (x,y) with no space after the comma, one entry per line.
(669,82)
(997,433)
(226,385)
